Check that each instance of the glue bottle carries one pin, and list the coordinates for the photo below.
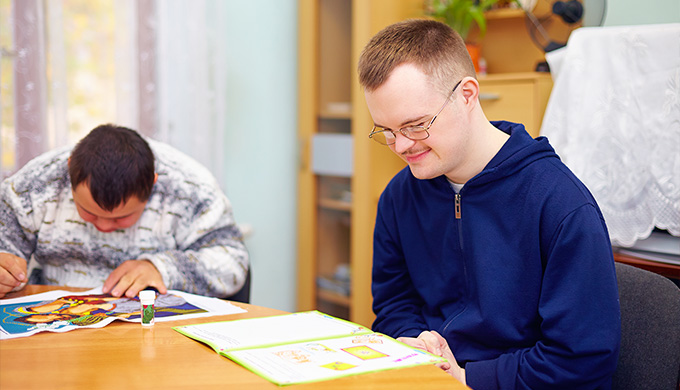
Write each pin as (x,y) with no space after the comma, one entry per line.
(147,299)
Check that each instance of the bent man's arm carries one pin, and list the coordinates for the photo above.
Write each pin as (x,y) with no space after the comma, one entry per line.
(17,242)
(211,258)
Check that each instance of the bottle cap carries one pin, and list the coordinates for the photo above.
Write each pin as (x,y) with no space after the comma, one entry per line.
(147,295)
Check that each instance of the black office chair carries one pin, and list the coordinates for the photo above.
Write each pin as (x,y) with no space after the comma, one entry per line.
(243,295)
(650,331)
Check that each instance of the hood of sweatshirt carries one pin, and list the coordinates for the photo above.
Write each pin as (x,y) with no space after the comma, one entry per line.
(518,151)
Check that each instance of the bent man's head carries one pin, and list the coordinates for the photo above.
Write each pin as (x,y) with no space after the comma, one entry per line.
(112,175)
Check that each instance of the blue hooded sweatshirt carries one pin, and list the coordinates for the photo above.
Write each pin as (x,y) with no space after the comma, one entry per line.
(516,271)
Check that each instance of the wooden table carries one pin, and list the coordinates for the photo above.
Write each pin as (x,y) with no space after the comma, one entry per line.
(125,355)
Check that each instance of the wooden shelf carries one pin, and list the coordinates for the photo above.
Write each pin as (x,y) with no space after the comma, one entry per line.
(504,13)
(514,76)
(335,115)
(507,46)
(333,297)
(334,204)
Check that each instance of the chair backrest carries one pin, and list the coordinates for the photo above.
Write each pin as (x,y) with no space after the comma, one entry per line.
(243,295)
(650,331)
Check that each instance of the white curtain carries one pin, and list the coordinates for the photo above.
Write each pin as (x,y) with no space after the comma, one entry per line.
(30,90)
(614,117)
(127,64)
(191,74)
(169,83)
(64,119)
(46,116)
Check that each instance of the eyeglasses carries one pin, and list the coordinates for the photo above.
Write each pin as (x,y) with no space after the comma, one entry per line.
(416,133)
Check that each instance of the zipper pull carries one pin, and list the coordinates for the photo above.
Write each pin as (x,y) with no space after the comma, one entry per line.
(457,206)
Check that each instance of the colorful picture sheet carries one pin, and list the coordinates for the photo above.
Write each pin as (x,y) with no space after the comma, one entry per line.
(61,311)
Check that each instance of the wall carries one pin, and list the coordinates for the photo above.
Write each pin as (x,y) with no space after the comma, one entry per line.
(261,140)
(630,12)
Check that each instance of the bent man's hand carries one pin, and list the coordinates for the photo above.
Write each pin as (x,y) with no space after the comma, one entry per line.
(434,343)
(13,271)
(133,276)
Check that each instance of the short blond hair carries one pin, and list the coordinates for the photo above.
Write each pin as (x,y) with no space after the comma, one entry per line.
(434,47)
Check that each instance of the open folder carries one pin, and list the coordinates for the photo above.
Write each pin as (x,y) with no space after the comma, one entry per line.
(306,347)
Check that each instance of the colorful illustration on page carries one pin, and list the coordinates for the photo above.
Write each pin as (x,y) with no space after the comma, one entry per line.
(364,352)
(85,310)
(293,356)
(367,339)
(338,366)
(317,348)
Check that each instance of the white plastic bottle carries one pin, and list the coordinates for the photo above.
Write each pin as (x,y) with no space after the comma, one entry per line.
(147,299)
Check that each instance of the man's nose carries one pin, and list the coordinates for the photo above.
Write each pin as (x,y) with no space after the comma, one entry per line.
(401,143)
(104,224)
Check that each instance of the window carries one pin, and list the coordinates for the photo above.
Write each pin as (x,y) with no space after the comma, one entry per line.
(67,66)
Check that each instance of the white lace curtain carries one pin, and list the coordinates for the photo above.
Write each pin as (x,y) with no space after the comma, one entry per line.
(614,118)
(169,84)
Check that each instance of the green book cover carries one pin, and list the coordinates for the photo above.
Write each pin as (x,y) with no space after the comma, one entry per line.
(305,347)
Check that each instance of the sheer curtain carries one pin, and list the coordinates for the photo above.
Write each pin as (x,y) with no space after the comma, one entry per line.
(168,78)
(30,89)
(191,78)
(614,117)
(61,82)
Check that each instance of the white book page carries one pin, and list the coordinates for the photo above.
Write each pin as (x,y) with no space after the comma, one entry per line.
(229,335)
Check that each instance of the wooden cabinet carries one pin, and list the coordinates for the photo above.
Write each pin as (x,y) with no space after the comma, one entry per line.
(336,211)
(516,97)
(512,90)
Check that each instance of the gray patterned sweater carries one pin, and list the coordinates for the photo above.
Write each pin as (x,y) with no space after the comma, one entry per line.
(187,229)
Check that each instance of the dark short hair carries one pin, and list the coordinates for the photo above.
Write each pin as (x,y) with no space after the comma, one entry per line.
(434,47)
(116,163)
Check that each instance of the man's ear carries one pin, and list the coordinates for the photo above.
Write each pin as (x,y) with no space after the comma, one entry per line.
(470,91)
(155,177)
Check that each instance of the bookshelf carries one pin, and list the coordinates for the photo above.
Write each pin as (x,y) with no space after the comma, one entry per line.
(336,212)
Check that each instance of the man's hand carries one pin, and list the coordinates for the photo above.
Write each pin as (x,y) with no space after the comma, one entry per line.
(434,343)
(12,273)
(133,276)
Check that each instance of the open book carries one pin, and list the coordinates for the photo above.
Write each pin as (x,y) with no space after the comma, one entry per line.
(305,347)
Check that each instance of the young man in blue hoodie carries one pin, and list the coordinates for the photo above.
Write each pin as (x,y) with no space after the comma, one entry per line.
(487,249)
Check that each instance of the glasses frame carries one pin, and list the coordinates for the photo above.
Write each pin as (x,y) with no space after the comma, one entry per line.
(408,130)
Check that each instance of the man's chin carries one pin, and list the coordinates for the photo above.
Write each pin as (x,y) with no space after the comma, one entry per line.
(422,174)
(106,230)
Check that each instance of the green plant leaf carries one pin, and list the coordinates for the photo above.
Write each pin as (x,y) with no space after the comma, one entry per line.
(459,14)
